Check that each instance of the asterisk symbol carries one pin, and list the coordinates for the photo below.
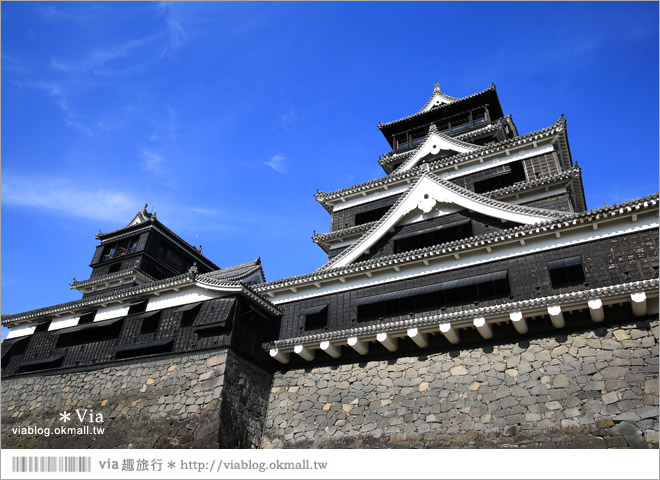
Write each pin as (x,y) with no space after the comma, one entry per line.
(65,417)
(171,465)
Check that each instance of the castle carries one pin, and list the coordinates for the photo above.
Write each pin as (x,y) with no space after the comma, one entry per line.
(469,299)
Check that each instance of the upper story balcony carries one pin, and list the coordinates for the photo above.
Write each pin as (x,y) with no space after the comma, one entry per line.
(452,126)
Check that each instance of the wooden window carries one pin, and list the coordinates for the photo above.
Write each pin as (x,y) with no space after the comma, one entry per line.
(42,327)
(315,317)
(114,268)
(190,313)
(566,272)
(371,215)
(123,247)
(87,317)
(433,297)
(138,307)
(515,174)
(433,236)
(150,323)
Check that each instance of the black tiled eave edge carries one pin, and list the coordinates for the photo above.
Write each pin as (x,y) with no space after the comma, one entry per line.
(568,220)
(422,320)
(395,156)
(104,278)
(555,128)
(421,112)
(133,229)
(574,172)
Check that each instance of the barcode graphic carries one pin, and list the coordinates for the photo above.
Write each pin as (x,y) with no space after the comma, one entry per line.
(51,464)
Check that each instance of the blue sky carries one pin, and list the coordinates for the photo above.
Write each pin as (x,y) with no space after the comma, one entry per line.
(226,117)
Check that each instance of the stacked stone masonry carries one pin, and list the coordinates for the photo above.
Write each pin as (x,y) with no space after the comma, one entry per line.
(591,389)
(166,403)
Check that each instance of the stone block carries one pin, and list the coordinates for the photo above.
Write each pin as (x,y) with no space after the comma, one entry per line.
(610,397)
(560,381)
(647,412)
(458,370)
(651,436)
(651,387)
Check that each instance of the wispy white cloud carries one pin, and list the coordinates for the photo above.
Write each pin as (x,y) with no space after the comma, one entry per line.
(70,117)
(50,12)
(176,32)
(66,197)
(152,161)
(277,163)
(96,59)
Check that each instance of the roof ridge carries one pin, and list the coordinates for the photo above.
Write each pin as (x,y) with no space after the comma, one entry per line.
(520,229)
(102,278)
(155,222)
(459,157)
(386,124)
(481,199)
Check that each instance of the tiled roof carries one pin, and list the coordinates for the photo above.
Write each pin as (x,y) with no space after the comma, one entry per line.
(438,93)
(320,237)
(237,272)
(105,278)
(393,157)
(421,320)
(189,278)
(462,245)
(464,192)
(555,128)
(141,221)
(421,112)
(573,172)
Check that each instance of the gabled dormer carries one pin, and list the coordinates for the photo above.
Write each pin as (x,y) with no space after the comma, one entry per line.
(143,251)
(452,117)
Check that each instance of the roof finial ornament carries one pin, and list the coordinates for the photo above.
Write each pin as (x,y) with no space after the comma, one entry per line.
(433,128)
(192,271)
(436,88)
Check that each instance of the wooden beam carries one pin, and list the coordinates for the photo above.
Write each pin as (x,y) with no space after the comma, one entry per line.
(282,357)
(482,326)
(333,350)
(518,322)
(304,352)
(358,345)
(421,339)
(556,316)
(449,332)
(596,309)
(388,342)
(638,301)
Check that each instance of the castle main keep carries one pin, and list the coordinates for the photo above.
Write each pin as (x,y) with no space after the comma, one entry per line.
(470,299)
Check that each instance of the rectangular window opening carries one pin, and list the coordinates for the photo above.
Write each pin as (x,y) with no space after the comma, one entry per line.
(515,174)
(138,307)
(371,215)
(87,318)
(189,315)
(433,236)
(151,323)
(315,317)
(433,297)
(43,326)
(566,272)
(90,334)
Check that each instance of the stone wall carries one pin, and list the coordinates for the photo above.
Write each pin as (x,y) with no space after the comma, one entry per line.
(595,388)
(245,395)
(164,403)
